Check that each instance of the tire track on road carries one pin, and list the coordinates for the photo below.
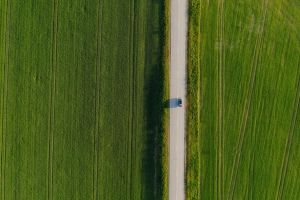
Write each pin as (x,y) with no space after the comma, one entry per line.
(52,101)
(252,79)
(221,92)
(5,96)
(97,100)
(289,140)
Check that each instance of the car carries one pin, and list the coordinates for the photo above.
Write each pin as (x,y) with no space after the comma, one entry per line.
(180,102)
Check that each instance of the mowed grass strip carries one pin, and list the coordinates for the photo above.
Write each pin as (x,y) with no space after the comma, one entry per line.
(260,83)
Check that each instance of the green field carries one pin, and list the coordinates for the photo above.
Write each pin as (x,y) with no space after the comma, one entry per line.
(243,133)
(81,86)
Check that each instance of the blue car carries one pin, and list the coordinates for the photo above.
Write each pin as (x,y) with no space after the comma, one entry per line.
(180,102)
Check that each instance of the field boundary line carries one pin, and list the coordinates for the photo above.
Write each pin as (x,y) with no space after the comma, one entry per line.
(52,101)
(289,139)
(221,92)
(252,80)
(5,96)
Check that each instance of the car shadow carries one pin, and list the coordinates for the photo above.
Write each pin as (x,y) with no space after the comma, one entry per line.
(171,103)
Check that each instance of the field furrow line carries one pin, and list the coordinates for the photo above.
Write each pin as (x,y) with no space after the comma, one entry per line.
(221,92)
(134,91)
(252,79)
(5,97)
(289,140)
(52,102)
(131,96)
(97,101)
(3,112)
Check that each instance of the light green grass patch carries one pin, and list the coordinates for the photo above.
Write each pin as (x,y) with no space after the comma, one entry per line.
(249,71)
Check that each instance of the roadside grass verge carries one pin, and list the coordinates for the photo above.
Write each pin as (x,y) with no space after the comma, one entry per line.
(165,95)
(193,102)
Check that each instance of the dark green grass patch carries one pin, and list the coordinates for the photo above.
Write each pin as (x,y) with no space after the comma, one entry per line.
(82,91)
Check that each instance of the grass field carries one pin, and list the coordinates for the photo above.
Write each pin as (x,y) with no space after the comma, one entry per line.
(248,57)
(82,87)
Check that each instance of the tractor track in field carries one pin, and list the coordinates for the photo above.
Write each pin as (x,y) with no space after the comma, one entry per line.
(52,101)
(252,79)
(131,91)
(5,97)
(289,140)
(251,176)
(97,101)
(221,92)
(134,92)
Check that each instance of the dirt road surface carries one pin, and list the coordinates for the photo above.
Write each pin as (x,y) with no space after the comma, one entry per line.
(179,20)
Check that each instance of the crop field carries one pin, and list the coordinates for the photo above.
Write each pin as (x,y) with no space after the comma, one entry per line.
(81,86)
(243,133)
